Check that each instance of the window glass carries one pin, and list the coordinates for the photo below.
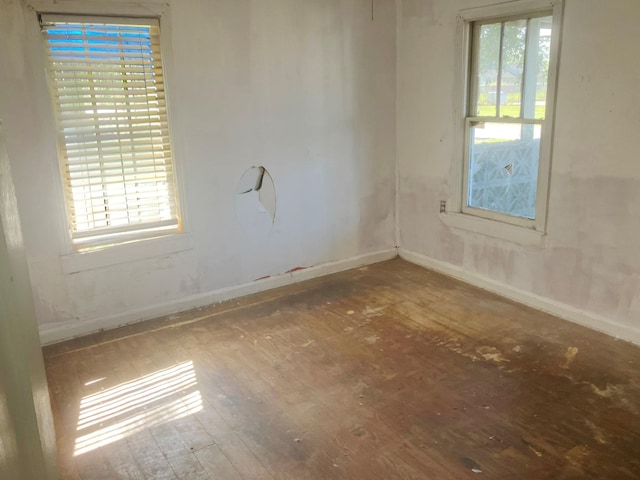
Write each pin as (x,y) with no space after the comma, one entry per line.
(510,59)
(503,168)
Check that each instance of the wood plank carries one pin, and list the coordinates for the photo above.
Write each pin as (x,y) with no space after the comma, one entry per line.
(216,464)
(188,467)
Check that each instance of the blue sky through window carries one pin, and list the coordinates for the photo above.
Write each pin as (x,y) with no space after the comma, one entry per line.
(136,37)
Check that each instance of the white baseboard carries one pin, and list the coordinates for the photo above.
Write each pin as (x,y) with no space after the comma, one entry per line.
(562,310)
(65,330)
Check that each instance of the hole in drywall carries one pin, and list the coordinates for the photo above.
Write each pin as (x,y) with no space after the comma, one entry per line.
(256,199)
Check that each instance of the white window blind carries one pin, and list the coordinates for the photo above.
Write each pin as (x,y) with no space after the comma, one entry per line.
(108,88)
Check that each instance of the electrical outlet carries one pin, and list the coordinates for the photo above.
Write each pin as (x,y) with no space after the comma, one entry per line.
(443,206)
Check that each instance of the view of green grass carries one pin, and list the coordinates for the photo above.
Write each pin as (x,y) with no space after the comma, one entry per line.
(508,111)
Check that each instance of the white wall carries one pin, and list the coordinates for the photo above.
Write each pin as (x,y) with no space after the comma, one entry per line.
(305,88)
(27,436)
(590,268)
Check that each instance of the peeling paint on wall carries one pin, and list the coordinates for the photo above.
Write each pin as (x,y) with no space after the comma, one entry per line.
(256,200)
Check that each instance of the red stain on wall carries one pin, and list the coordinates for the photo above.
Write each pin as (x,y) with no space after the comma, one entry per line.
(295,269)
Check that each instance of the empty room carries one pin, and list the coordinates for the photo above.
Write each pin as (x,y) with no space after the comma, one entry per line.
(319,239)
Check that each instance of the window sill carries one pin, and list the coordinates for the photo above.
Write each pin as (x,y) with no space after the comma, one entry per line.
(126,252)
(492,228)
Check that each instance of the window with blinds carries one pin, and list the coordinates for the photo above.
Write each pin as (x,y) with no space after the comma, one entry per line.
(109,96)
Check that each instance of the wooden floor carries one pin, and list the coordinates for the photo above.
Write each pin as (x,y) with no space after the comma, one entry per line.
(384,372)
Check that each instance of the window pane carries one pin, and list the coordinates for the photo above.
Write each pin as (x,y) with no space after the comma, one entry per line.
(503,168)
(487,70)
(538,67)
(513,52)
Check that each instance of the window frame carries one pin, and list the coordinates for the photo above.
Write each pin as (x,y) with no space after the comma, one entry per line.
(458,213)
(123,237)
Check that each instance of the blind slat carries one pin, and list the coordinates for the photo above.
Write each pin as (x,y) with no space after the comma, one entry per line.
(124,212)
(116,179)
(64,68)
(115,95)
(82,128)
(119,205)
(125,175)
(81,176)
(126,152)
(110,134)
(74,126)
(94,82)
(82,115)
(80,140)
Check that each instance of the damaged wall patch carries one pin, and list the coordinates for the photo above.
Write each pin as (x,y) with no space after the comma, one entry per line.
(256,199)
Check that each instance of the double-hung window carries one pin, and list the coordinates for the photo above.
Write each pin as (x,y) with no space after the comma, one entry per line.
(511,59)
(108,92)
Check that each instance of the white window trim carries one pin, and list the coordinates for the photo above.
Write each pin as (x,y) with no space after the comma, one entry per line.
(144,247)
(115,8)
(518,230)
(90,235)
(496,229)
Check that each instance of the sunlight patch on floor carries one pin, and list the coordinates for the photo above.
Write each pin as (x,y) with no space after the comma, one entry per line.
(115,413)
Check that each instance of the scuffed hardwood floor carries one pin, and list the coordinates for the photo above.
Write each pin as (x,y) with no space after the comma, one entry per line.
(383,372)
